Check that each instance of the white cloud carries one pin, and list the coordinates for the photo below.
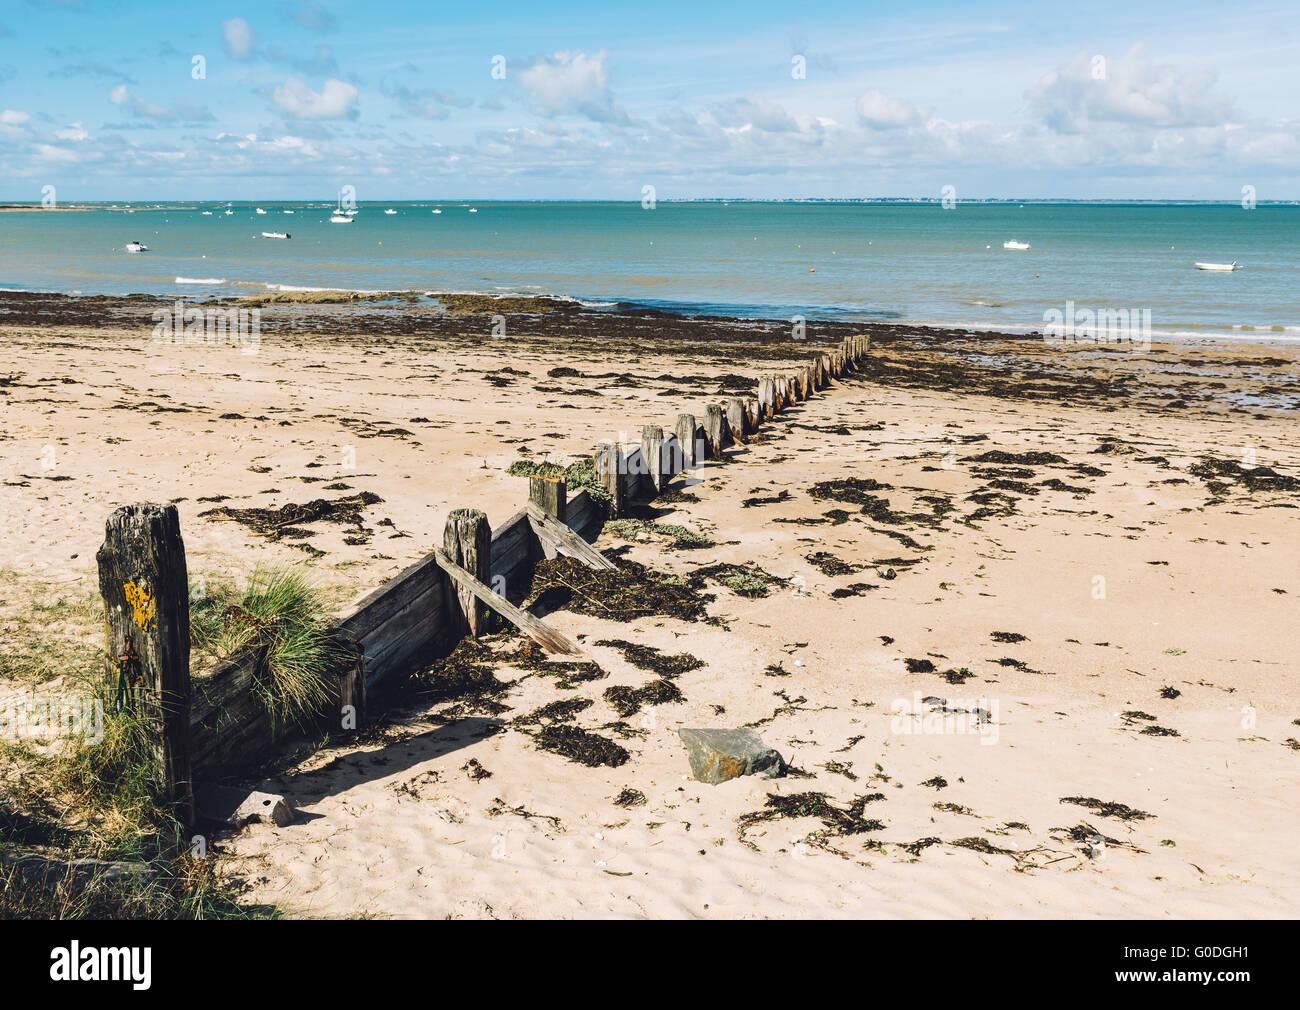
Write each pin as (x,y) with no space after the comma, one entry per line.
(756,112)
(180,112)
(239,38)
(12,117)
(73,131)
(882,112)
(1129,90)
(336,100)
(572,83)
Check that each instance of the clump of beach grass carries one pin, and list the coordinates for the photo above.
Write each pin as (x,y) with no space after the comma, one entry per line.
(282,612)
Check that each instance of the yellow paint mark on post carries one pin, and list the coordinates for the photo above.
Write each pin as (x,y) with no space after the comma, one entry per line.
(142,603)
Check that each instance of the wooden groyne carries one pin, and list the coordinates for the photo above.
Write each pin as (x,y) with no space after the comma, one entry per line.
(211,722)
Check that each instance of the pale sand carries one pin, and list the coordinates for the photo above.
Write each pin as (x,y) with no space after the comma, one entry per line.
(396,828)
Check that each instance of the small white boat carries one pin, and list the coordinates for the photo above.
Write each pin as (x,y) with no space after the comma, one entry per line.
(390,211)
(207,213)
(473,210)
(275,234)
(1222,267)
(260,210)
(229,212)
(1013,244)
(288,212)
(436,210)
(136,247)
(340,216)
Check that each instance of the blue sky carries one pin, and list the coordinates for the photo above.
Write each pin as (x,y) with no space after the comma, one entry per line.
(595,101)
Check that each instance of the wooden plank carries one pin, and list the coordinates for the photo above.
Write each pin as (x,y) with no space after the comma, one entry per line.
(380,604)
(514,547)
(548,638)
(565,541)
(638,485)
(584,516)
(419,626)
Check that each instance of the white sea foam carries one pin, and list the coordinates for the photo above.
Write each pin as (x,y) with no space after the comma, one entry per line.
(200,280)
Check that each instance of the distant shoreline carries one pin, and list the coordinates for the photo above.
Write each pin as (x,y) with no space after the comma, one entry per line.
(19,208)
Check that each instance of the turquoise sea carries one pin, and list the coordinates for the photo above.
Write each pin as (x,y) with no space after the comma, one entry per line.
(886,261)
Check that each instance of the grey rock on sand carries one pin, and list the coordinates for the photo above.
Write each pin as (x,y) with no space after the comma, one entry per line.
(236,807)
(717,755)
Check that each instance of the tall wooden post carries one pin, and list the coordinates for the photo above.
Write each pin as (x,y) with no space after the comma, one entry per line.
(608,465)
(717,433)
(550,494)
(686,438)
(145,585)
(735,410)
(467,539)
(652,451)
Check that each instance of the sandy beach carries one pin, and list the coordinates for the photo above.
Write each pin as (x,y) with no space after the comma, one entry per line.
(1025,633)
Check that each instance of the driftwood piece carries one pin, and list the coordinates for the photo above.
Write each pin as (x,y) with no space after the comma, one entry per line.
(145,585)
(566,541)
(467,541)
(548,638)
(71,876)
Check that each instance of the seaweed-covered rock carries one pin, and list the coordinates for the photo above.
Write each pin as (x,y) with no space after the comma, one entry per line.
(717,755)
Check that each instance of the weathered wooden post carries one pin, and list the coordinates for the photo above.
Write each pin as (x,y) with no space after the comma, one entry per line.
(652,451)
(145,585)
(753,414)
(716,433)
(608,467)
(467,539)
(686,438)
(766,399)
(735,411)
(550,494)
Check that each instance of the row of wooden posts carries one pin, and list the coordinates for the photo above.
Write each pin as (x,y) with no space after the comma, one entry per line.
(725,424)
(211,722)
